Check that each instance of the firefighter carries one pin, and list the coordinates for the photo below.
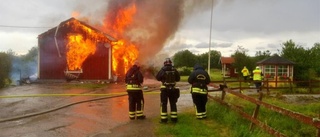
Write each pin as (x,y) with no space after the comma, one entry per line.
(168,76)
(257,78)
(199,79)
(245,73)
(134,80)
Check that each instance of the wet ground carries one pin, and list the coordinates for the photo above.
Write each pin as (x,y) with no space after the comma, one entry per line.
(34,112)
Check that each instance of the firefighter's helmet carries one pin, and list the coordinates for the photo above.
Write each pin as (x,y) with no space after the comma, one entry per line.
(167,62)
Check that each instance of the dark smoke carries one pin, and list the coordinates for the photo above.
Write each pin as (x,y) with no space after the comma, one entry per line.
(154,24)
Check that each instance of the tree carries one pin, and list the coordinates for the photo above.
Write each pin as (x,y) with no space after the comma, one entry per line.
(262,55)
(5,69)
(241,59)
(184,58)
(300,56)
(214,59)
(315,56)
(29,62)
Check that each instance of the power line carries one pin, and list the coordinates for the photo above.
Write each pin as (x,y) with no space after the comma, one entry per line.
(8,26)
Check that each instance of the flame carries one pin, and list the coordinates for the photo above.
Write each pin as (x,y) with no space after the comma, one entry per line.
(78,50)
(123,56)
(124,53)
(80,44)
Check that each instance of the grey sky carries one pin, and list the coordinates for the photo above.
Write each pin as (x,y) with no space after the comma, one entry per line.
(253,24)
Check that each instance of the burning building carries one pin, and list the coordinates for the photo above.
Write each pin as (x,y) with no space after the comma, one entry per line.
(75,50)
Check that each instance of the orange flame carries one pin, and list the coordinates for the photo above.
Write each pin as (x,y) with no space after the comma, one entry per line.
(78,50)
(123,56)
(124,53)
(80,44)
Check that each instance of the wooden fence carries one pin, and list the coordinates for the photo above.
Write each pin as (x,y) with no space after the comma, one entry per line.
(253,118)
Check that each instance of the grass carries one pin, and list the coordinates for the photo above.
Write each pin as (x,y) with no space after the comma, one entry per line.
(223,122)
(189,126)
(220,123)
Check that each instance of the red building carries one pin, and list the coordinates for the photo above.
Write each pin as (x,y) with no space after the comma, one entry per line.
(64,46)
(227,70)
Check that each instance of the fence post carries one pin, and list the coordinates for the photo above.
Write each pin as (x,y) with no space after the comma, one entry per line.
(268,92)
(319,128)
(310,85)
(256,110)
(240,88)
(290,81)
(223,93)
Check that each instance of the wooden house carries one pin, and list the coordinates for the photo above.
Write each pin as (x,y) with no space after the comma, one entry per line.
(54,53)
(227,69)
(276,67)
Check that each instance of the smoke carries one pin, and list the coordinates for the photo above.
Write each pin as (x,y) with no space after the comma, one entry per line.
(154,23)
(23,68)
(152,26)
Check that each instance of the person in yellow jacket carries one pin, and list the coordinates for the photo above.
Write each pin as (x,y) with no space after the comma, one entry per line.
(134,80)
(257,78)
(245,73)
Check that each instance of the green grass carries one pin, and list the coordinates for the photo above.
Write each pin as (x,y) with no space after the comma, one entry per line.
(189,126)
(224,122)
(215,75)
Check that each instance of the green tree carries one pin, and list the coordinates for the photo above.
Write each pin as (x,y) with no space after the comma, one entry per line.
(300,56)
(262,55)
(315,56)
(5,69)
(241,59)
(184,58)
(29,62)
(214,59)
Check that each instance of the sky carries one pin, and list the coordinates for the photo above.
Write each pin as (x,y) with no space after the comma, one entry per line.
(256,25)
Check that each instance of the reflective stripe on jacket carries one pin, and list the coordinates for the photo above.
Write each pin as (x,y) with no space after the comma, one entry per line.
(133,87)
(198,90)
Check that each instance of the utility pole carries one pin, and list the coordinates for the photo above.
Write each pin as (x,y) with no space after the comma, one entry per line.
(210,38)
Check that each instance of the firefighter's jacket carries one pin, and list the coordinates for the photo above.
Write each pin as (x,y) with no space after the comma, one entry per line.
(161,74)
(134,78)
(257,75)
(245,71)
(199,79)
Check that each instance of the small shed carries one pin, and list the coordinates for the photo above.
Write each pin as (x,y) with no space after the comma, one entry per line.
(227,69)
(56,55)
(276,68)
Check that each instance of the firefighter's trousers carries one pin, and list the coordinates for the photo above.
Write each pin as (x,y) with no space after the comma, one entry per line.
(172,95)
(136,103)
(200,101)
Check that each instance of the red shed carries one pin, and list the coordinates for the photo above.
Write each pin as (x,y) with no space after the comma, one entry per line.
(227,69)
(64,46)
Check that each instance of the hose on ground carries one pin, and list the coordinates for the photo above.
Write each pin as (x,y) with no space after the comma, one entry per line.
(58,108)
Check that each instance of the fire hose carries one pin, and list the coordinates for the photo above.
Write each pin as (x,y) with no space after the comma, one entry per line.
(106,96)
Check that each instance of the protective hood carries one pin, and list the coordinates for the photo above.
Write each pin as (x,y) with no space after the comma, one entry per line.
(197,66)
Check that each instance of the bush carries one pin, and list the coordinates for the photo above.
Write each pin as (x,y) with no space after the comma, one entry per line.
(185,71)
(5,69)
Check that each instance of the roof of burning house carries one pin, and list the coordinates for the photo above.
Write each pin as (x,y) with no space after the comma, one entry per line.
(53,30)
